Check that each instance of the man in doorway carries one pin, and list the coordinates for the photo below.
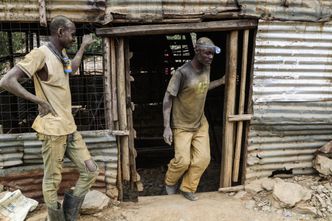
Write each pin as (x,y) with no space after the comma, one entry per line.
(185,122)
(49,68)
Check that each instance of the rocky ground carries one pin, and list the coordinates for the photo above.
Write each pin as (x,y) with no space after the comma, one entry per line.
(298,198)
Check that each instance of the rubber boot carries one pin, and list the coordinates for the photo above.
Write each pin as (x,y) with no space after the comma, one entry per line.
(71,206)
(55,214)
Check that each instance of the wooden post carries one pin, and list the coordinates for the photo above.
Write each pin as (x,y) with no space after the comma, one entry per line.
(237,154)
(121,83)
(113,81)
(228,142)
(107,84)
(42,13)
(132,151)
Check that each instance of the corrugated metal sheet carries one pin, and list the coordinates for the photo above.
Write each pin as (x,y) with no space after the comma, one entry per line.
(77,11)
(161,9)
(292,97)
(20,159)
(293,10)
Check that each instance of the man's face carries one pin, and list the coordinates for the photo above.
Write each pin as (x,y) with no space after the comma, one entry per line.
(68,35)
(205,55)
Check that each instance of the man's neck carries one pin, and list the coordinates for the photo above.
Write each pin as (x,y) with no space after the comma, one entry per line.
(196,65)
(56,44)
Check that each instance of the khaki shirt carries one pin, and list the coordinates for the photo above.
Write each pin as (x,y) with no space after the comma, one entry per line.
(55,90)
(189,88)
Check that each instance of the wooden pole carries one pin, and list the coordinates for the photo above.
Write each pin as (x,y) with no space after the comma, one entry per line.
(237,154)
(113,81)
(228,142)
(42,13)
(249,109)
(121,83)
(107,84)
(132,151)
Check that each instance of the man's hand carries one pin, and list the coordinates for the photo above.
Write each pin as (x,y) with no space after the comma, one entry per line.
(87,40)
(168,135)
(45,108)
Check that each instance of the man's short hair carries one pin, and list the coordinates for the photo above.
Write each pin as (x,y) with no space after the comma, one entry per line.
(59,21)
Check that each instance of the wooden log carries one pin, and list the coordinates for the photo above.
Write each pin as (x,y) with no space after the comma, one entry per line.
(121,84)
(250,105)
(113,81)
(240,117)
(238,143)
(231,189)
(132,151)
(107,84)
(228,141)
(42,13)
(137,30)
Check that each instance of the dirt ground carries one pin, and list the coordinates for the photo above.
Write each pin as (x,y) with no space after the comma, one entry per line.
(154,205)
(212,206)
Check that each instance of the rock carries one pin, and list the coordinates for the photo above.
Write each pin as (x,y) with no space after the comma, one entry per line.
(288,194)
(2,188)
(255,186)
(240,194)
(94,202)
(323,165)
(305,209)
(268,184)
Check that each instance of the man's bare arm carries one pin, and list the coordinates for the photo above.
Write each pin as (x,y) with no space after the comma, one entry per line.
(167,107)
(217,83)
(87,40)
(10,82)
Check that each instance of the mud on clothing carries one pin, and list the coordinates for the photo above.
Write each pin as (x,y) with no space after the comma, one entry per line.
(190,128)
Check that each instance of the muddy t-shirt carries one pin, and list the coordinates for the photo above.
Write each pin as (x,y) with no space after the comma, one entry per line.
(189,88)
(55,90)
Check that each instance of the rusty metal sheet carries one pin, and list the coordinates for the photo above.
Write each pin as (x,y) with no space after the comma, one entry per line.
(291,10)
(29,180)
(21,161)
(28,10)
(154,10)
(292,97)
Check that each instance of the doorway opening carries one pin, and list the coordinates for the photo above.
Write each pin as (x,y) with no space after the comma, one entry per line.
(154,58)
(147,55)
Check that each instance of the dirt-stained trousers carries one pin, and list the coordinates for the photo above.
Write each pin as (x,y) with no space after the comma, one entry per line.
(192,156)
(54,149)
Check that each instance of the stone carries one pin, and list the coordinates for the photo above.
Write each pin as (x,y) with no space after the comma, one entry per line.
(323,165)
(268,184)
(255,186)
(240,194)
(305,209)
(288,194)
(94,202)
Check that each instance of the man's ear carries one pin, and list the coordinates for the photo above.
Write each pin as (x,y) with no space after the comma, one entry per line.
(60,32)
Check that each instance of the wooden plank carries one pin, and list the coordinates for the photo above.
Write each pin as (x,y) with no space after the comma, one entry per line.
(239,132)
(107,84)
(231,189)
(228,142)
(113,81)
(121,83)
(42,13)
(240,117)
(228,25)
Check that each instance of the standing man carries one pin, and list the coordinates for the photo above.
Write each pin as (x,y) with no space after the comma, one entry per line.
(49,68)
(187,125)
